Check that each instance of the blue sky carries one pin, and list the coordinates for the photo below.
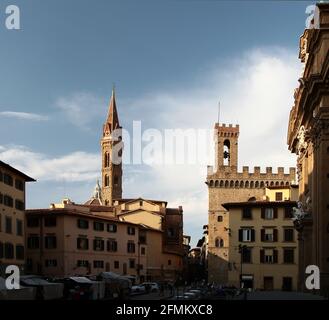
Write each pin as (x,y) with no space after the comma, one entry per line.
(170,62)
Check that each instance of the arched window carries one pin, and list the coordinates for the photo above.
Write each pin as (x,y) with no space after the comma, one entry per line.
(211,183)
(107,181)
(251,184)
(226,152)
(257,184)
(237,184)
(287,183)
(231,184)
(221,184)
(262,184)
(252,199)
(219,243)
(241,184)
(226,184)
(282,183)
(106,159)
(246,185)
(272,184)
(216,183)
(277,183)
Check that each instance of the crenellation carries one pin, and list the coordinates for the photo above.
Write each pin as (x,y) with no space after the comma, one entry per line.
(269,170)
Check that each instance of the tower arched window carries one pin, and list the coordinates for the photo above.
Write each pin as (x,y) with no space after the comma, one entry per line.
(219,243)
(257,184)
(216,183)
(211,183)
(241,184)
(226,184)
(221,184)
(106,159)
(226,152)
(262,184)
(231,184)
(106,181)
(251,184)
(246,184)
(237,184)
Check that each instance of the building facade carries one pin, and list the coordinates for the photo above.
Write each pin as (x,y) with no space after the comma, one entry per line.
(308,138)
(12,216)
(70,239)
(262,250)
(226,184)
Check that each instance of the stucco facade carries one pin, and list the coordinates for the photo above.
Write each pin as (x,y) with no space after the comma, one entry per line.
(12,216)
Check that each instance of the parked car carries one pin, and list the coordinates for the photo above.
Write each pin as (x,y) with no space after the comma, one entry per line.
(151,286)
(44,290)
(138,289)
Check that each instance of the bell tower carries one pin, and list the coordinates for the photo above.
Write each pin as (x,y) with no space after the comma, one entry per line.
(112,145)
(226,147)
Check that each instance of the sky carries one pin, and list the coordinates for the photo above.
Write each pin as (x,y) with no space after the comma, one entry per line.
(171,62)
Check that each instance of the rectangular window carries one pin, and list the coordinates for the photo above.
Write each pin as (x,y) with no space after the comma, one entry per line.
(50,242)
(98,264)
(288,213)
(269,235)
(19,184)
(50,221)
(19,252)
(278,196)
(288,256)
(112,245)
(33,222)
(83,263)
(9,251)
(116,265)
(111,227)
(8,179)
(246,235)
(82,243)
(131,230)
(8,225)
(246,213)
(98,226)
(246,255)
(98,245)
(19,205)
(143,251)
(83,224)
(219,218)
(19,227)
(131,247)
(131,263)
(268,256)
(142,237)
(51,263)
(33,242)
(269,213)
(8,201)
(288,234)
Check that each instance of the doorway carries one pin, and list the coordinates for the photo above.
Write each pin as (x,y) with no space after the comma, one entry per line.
(268,283)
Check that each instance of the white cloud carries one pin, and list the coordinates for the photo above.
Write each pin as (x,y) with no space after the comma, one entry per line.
(255,90)
(76,166)
(24,116)
(82,108)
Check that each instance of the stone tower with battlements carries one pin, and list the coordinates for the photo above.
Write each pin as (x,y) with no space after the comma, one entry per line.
(226,184)
(111,145)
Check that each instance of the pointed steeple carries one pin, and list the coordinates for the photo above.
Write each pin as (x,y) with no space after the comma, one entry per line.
(112,121)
